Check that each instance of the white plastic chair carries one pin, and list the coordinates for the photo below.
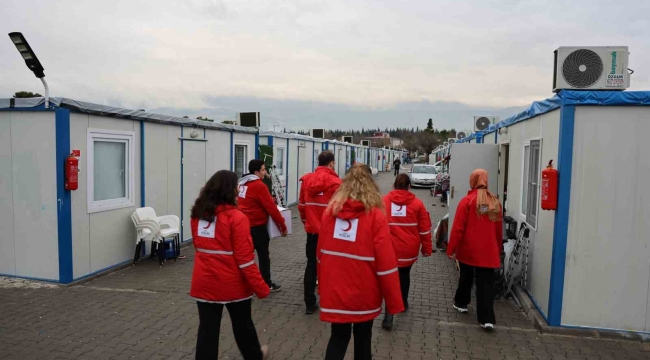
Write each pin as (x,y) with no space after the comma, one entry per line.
(157,229)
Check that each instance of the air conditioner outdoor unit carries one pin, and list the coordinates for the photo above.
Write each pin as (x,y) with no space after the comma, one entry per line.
(451,140)
(317,133)
(248,119)
(347,139)
(483,122)
(591,68)
(461,135)
(365,142)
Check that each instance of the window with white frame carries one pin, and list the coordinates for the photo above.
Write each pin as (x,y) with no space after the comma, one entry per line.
(530,182)
(241,160)
(110,170)
(315,157)
(279,161)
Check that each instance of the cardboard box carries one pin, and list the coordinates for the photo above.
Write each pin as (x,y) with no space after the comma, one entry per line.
(273,229)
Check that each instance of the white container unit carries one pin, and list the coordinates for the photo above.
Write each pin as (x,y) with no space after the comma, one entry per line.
(129,159)
(588,261)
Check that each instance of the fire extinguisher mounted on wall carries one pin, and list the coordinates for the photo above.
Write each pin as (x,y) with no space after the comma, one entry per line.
(549,187)
(72,171)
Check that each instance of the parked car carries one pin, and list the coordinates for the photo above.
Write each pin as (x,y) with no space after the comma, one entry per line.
(423,175)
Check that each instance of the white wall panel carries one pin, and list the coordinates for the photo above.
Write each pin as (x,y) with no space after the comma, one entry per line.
(217,156)
(7,240)
(608,258)
(80,218)
(33,145)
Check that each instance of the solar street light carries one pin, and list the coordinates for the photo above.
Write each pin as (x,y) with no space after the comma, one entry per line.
(30,60)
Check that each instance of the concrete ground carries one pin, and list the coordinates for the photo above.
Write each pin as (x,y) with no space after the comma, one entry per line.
(144,312)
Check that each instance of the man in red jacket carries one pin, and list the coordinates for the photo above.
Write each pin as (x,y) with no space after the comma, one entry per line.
(256,203)
(315,193)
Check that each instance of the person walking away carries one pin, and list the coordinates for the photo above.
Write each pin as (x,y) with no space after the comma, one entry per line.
(410,230)
(257,204)
(357,265)
(476,241)
(224,255)
(315,193)
(396,165)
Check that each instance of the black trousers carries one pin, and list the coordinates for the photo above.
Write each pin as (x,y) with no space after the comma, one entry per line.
(207,341)
(310,270)
(261,242)
(484,291)
(340,339)
(396,170)
(405,283)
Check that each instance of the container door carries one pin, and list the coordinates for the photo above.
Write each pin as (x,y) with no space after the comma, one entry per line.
(465,159)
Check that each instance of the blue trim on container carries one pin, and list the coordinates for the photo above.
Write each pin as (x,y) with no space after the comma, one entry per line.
(64,206)
(641,334)
(561,229)
(313,159)
(142,172)
(182,151)
(232,149)
(31,278)
(36,108)
(286,174)
(539,308)
(104,269)
(204,133)
(496,137)
(270,141)
(298,169)
(257,145)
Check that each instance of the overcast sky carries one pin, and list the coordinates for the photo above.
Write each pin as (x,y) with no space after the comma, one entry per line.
(346,64)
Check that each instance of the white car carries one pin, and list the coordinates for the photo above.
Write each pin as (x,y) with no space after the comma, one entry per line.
(423,175)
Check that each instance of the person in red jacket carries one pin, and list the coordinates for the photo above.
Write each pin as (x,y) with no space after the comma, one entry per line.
(224,272)
(315,193)
(476,242)
(410,230)
(257,204)
(357,264)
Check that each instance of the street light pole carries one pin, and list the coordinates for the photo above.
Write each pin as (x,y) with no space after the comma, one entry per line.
(31,61)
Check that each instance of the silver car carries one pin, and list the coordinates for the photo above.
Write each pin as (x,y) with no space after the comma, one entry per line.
(423,175)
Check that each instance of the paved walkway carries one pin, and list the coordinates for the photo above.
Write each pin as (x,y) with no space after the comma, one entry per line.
(144,312)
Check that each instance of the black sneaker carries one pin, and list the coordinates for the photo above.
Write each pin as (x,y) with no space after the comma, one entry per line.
(388,322)
(275,287)
(311,309)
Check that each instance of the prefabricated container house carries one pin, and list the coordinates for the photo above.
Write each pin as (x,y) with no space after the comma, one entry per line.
(129,159)
(292,159)
(588,262)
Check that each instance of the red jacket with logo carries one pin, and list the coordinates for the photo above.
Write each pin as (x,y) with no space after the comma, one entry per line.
(357,267)
(315,193)
(410,226)
(475,239)
(256,203)
(224,264)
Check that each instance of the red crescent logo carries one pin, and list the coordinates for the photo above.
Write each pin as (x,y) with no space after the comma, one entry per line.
(207,226)
(349,225)
(400,208)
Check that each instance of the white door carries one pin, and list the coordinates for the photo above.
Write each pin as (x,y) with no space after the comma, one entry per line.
(193,180)
(466,158)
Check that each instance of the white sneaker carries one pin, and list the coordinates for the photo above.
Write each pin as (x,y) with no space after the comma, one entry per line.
(460,309)
(487,326)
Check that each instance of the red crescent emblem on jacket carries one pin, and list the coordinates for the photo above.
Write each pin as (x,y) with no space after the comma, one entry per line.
(349,225)
(400,208)
(207,226)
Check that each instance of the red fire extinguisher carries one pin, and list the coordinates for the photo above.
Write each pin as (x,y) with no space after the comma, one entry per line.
(72,172)
(549,187)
